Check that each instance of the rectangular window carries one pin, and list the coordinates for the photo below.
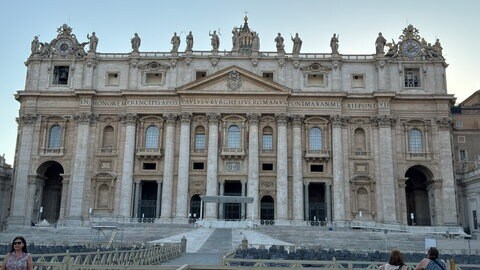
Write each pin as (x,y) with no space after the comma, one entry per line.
(459,123)
(462,155)
(200,74)
(358,81)
(60,75)
(154,78)
(267,166)
(199,141)
(316,168)
(475,223)
(315,79)
(149,166)
(461,139)
(198,166)
(268,75)
(412,77)
(267,142)
(113,78)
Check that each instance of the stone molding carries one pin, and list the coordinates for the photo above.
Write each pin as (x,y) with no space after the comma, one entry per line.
(185,117)
(213,118)
(282,119)
(297,120)
(130,118)
(84,118)
(444,123)
(170,118)
(253,118)
(28,118)
(383,121)
(339,120)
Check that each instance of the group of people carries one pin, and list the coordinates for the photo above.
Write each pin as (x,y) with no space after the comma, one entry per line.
(430,262)
(19,259)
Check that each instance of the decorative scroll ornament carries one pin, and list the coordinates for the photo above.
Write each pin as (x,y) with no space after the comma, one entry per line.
(65,45)
(253,118)
(297,120)
(84,117)
(282,118)
(130,118)
(185,117)
(28,118)
(234,81)
(170,118)
(213,117)
(339,121)
(383,120)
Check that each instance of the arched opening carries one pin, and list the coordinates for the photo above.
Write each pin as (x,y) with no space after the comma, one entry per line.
(51,195)
(267,139)
(151,137)
(317,208)
(199,138)
(360,142)
(195,205)
(233,137)
(315,141)
(418,206)
(108,137)
(267,208)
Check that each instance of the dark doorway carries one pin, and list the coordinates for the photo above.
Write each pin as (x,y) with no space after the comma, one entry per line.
(317,208)
(232,211)
(147,205)
(52,191)
(195,203)
(418,208)
(267,208)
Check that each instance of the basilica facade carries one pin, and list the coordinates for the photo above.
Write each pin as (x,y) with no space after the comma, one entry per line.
(272,137)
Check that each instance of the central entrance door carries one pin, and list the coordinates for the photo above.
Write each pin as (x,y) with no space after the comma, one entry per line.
(317,208)
(232,211)
(147,206)
(418,206)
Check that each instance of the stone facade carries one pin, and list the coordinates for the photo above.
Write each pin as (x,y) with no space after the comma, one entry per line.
(322,137)
(6,171)
(466,154)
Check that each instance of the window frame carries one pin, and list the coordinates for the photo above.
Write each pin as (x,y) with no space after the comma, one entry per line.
(55,81)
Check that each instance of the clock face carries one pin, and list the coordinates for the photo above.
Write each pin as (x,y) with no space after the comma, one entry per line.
(63,46)
(410,48)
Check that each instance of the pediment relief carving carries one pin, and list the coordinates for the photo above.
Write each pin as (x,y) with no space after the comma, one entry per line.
(316,67)
(154,66)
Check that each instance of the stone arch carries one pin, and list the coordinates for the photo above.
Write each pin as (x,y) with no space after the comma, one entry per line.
(48,192)
(267,208)
(418,194)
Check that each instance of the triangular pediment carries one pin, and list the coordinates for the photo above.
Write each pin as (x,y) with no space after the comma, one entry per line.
(472,101)
(233,80)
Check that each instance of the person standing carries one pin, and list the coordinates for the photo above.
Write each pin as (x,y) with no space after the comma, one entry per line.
(18,258)
(396,261)
(432,262)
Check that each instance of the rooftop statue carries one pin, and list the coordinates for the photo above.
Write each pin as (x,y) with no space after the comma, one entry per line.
(214,41)
(175,43)
(189,41)
(297,44)
(244,40)
(35,46)
(279,43)
(136,42)
(93,42)
(334,44)
(380,44)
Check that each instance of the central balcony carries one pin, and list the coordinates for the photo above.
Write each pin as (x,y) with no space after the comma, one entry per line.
(232,153)
(144,152)
(317,154)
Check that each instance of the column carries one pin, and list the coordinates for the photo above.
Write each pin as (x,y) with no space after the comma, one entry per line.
(19,214)
(388,189)
(337,162)
(253,180)
(449,202)
(159,199)
(183,166)
(306,200)
(137,198)
(221,205)
(63,203)
(298,214)
(126,187)
(328,201)
(282,169)
(402,202)
(168,162)
(79,172)
(242,205)
(212,164)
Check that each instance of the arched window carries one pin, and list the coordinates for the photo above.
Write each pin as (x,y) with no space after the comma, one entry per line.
(199,138)
(55,137)
(107,141)
(267,138)
(267,208)
(315,139)
(359,141)
(233,140)
(151,137)
(415,144)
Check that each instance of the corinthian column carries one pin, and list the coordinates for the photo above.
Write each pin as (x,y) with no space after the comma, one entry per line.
(19,215)
(212,164)
(183,162)
(449,205)
(126,187)
(282,170)
(252,190)
(297,169)
(337,162)
(384,124)
(79,176)
(168,159)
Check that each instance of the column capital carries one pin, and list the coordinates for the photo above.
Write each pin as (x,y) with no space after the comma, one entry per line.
(339,120)
(281,118)
(383,120)
(129,118)
(213,118)
(28,118)
(170,118)
(297,120)
(185,117)
(253,118)
(84,117)
(444,123)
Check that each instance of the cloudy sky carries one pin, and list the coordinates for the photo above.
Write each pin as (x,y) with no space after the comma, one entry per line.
(455,23)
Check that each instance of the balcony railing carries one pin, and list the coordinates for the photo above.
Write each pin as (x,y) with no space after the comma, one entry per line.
(314,154)
(147,152)
(106,151)
(232,152)
(419,155)
(52,152)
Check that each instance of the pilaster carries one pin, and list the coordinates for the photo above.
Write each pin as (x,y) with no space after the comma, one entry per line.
(298,214)
(183,166)
(212,164)
(282,169)
(168,162)
(253,179)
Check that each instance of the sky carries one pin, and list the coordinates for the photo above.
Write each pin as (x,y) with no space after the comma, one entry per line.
(455,23)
